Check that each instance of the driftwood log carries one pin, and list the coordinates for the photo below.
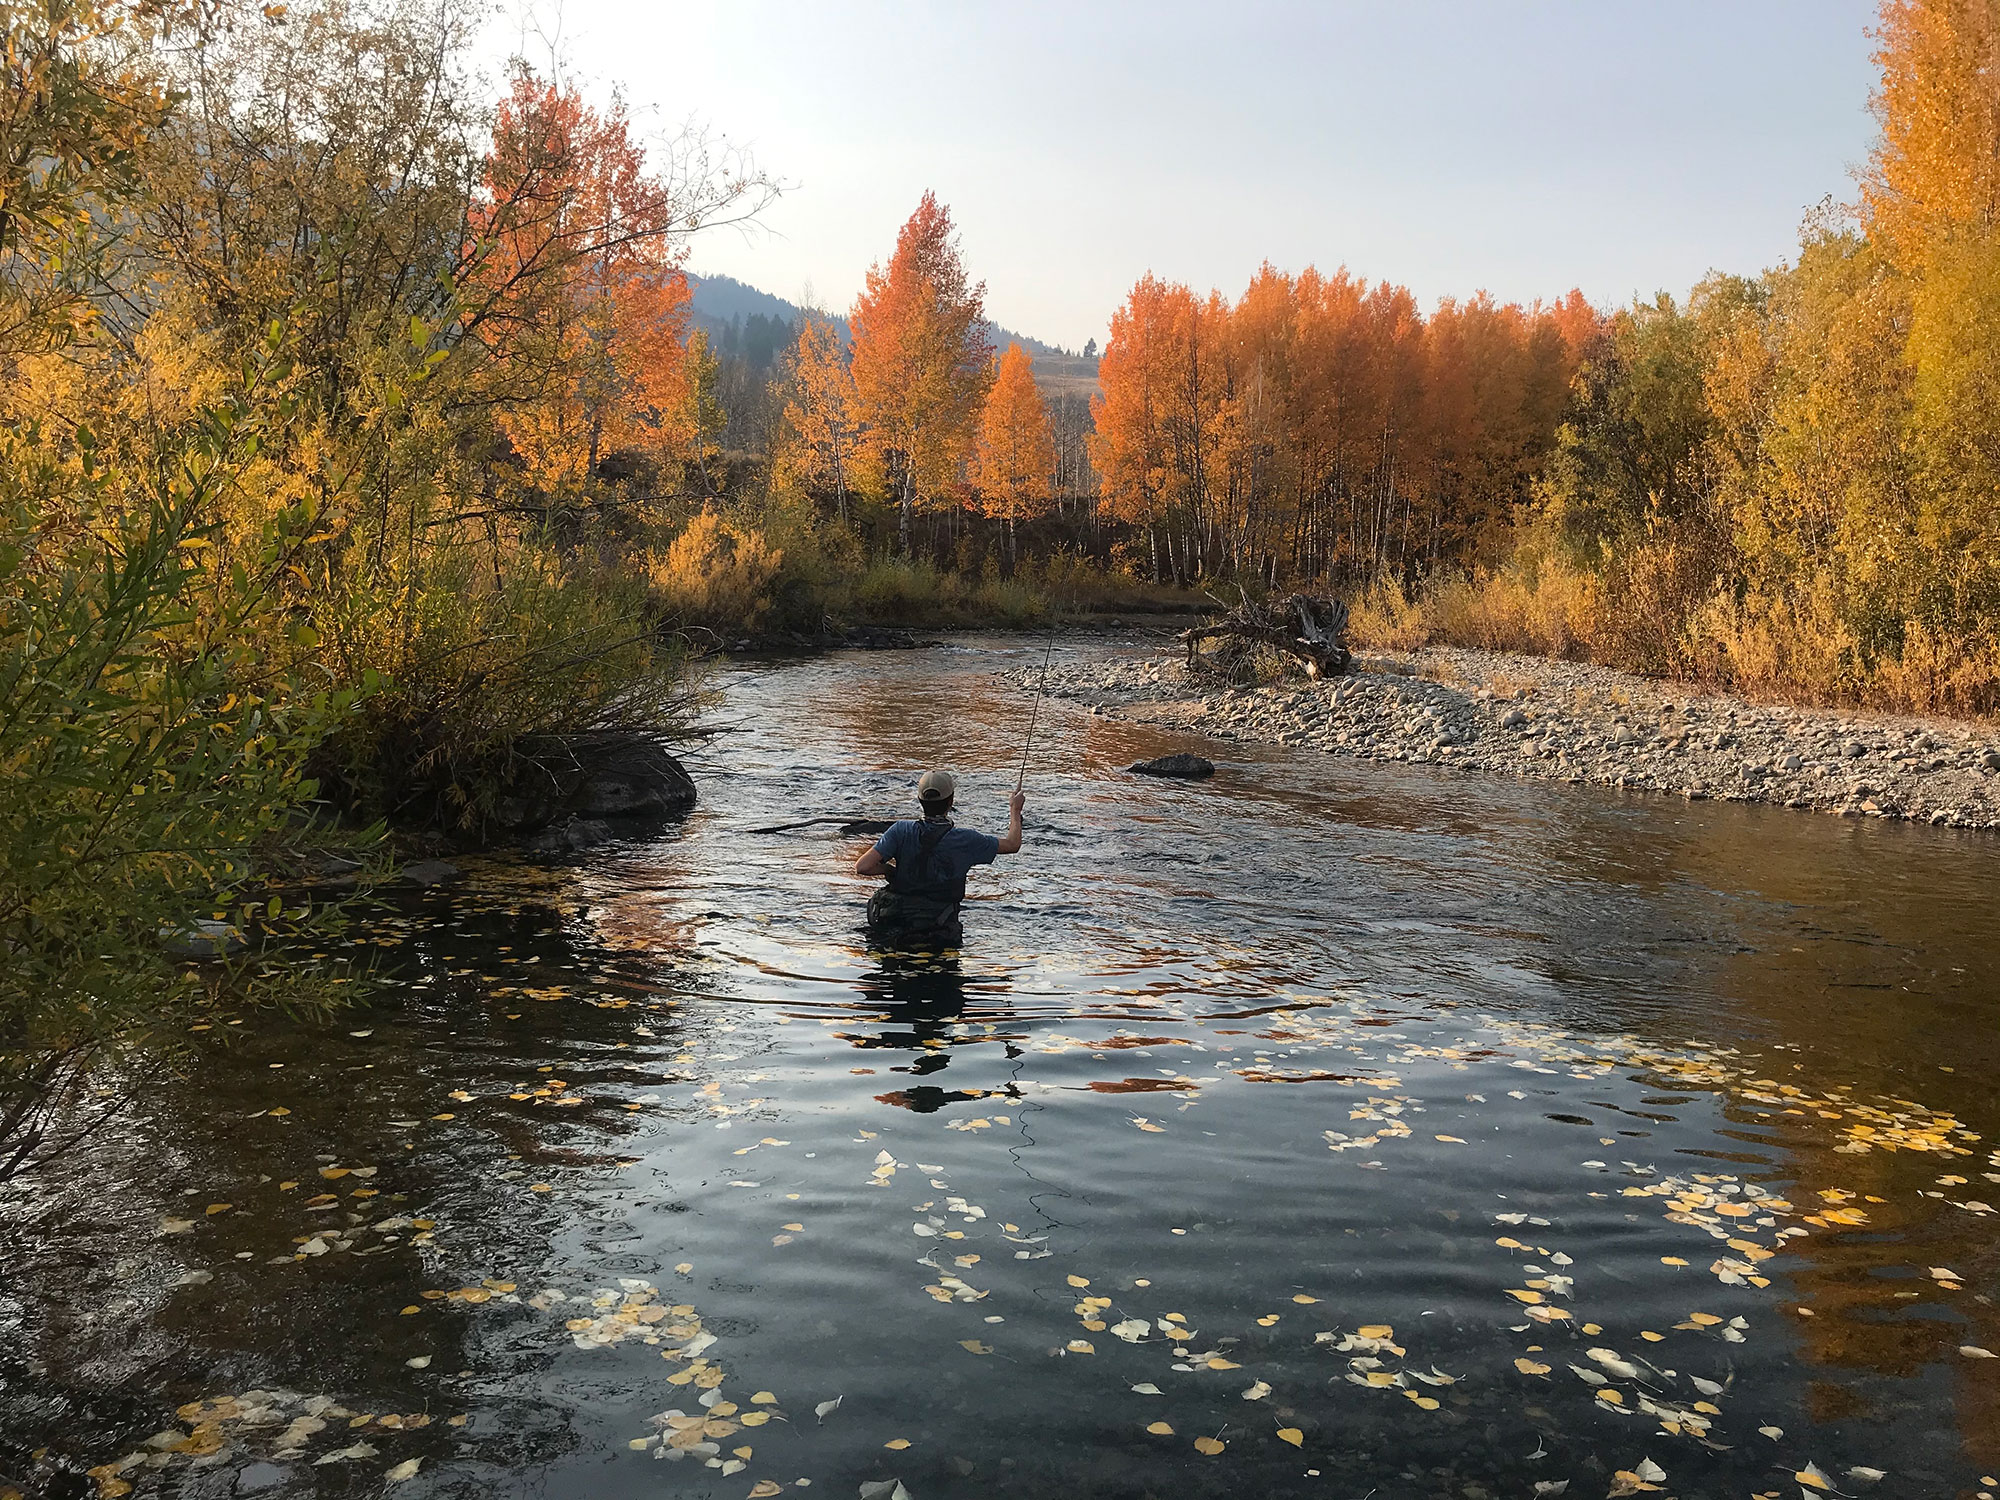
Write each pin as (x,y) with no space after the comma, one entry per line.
(1311,631)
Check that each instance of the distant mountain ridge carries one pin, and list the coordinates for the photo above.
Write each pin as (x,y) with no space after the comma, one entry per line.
(722,300)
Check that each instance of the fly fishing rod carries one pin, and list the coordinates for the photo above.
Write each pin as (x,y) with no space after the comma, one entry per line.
(1034,711)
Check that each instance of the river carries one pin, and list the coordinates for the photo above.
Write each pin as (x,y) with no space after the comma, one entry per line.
(1329,1128)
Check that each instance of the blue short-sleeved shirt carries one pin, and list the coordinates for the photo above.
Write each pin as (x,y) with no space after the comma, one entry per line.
(956,853)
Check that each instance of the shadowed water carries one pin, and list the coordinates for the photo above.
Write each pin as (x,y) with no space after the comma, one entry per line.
(1396,1130)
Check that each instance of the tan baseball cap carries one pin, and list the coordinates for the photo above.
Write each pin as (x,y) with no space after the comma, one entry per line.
(936,786)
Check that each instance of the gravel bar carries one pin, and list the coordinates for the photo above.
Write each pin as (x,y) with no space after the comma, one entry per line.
(1525,716)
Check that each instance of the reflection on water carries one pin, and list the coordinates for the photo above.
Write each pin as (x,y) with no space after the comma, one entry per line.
(1327,1128)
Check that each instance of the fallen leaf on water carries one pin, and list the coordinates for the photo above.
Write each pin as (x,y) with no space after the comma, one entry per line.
(1773,1433)
(1551,1486)
(1428,1403)
(1867,1475)
(1453,1139)
(421,1362)
(1524,1296)
(1811,1475)
(899,1444)
(1160,1429)
(1973,1351)
(1293,1436)
(342,1455)
(754,1418)
(1081,1346)
(1257,1392)
(1078,1280)
(1672,1260)
(1209,1445)
(827,1408)
(763,1398)
(973,1346)
(407,1469)
(1375,1330)
(764,1489)
(1529,1367)
(1628,1482)
(1303,1300)
(1146,1388)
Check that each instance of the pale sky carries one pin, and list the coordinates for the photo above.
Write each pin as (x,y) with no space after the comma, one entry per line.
(1517,146)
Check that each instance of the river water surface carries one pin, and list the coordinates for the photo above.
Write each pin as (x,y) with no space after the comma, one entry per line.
(1330,1128)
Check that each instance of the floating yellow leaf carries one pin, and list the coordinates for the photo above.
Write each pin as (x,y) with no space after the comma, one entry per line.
(1428,1403)
(764,1489)
(1811,1475)
(1529,1367)
(1672,1260)
(1219,1363)
(764,1398)
(1293,1436)
(1453,1139)
(1705,1320)
(973,1346)
(1303,1300)
(1081,1346)
(754,1418)
(1160,1429)
(899,1444)
(1208,1445)
(1375,1330)
(1078,1280)
(1520,1295)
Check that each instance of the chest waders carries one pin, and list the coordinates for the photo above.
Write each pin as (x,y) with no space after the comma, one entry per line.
(914,908)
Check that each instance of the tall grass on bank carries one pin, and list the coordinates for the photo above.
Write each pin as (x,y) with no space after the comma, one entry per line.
(1653,613)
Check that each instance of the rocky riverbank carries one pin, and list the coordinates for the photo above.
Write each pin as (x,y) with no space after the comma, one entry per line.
(1524,716)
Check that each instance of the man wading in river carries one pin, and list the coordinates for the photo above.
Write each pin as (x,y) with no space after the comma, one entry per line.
(926,861)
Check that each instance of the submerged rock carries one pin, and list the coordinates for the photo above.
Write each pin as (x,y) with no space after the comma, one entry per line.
(1181,767)
(205,939)
(427,872)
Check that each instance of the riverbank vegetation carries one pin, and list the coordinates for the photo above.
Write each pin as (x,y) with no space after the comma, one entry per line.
(1784,482)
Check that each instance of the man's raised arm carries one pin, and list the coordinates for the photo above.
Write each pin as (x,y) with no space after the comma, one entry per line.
(1011,844)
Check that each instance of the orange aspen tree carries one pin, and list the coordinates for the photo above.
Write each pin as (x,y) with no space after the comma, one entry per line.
(1016,455)
(1128,443)
(578,290)
(820,412)
(922,360)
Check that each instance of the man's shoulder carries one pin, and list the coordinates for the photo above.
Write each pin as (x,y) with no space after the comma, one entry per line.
(973,839)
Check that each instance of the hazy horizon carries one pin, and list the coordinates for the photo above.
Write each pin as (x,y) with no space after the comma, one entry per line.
(1444,145)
